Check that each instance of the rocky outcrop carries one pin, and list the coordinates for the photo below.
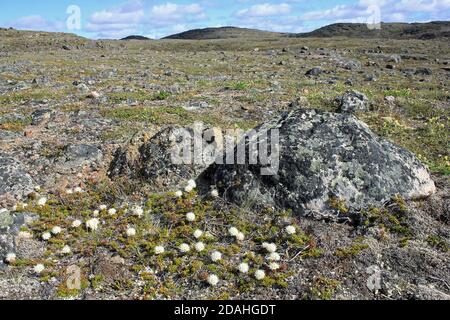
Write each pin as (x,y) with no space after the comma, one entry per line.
(14,180)
(324,157)
(352,101)
(150,159)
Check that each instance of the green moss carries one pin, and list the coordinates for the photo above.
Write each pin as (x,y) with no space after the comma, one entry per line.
(323,288)
(355,249)
(339,204)
(438,243)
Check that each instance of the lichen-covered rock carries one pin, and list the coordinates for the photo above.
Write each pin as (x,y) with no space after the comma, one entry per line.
(324,156)
(79,154)
(14,180)
(150,159)
(353,101)
(10,242)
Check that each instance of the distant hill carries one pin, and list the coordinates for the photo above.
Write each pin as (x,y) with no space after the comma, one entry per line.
(135,38)
(424,31)
(224,33)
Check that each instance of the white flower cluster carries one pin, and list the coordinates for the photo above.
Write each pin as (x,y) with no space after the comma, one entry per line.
(46,236)
(56,230)
(178,194)
(76,224)
(159,250)
(199,246)
(42,201)
(216,256)
(10,258)
(215,193)
(138,211)
(260,274)
(234,232)
(290,230)
(270,247)
(66,250)
(213,280)
(190,216)
(39,268)
(198,234)
(184,248)
(243,267)
(92,224)
(131,232)
(190,186)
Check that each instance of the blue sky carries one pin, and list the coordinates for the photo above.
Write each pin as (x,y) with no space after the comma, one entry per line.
(158,18)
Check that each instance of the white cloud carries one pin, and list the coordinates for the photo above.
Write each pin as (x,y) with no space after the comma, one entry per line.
(135,17)
(36,22)
(265,10)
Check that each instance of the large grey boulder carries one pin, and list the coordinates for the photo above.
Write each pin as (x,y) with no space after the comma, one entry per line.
(324,156)
(150,158)
(14,180)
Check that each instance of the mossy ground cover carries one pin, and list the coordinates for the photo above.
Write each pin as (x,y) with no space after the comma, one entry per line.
(164,224)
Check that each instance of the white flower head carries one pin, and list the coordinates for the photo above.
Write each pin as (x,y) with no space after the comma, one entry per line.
(184,248)
(103,207)
(178,194)
(240,236)
(25,235)
(78,190)
(112,212)
(56,230)
(37,188)
(10,258)
(260,274)
(233,232)
(188,189)
(76,224)
(243,267)
(274,257)
(46,236)
(96,213)
(215,193)
(42,201)
(213,280)
(198,234)
(69,191)
(159,250)
(66,250)
(270,247)
(199,246)
(138,211)
(92,224)
(290,230)
(216,256)
(274,266)
(190,217)
(192,183)
(131,232)
(39,268)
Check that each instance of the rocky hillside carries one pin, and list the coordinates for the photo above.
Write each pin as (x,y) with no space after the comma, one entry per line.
(224,33)
(422,31)
(134,37)
(359,208)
